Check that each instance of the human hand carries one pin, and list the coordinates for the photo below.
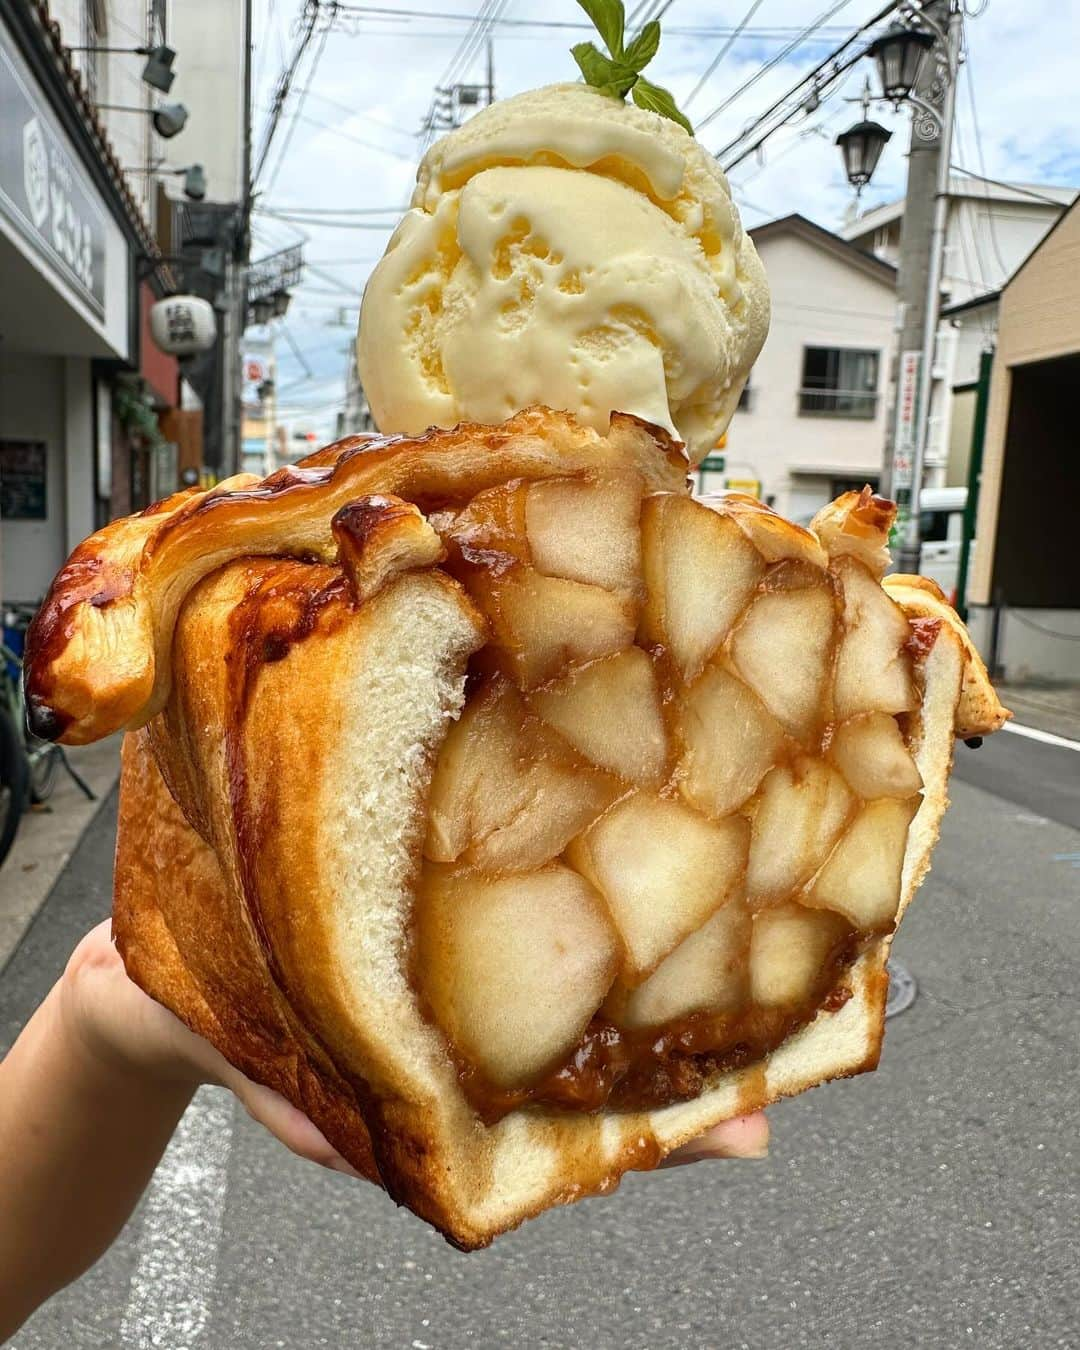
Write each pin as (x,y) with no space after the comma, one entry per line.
(121,1026)
(740,1137)
(125,1029)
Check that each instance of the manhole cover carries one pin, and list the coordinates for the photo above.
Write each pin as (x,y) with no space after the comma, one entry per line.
(902,989)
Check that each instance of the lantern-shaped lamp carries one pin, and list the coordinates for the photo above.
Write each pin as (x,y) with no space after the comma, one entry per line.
(183,324)
(861,145)
(899,54)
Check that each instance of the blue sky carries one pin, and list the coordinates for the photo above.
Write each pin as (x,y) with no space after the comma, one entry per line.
(354,145)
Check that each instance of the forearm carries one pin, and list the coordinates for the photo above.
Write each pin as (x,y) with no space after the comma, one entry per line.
(80,1137)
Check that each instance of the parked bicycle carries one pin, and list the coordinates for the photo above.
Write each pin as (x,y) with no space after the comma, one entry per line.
(28,765)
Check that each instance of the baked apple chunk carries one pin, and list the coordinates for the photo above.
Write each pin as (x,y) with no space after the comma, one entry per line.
(513,969)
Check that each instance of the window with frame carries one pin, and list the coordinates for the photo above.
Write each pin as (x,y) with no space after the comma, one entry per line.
(839,382)
(95,35)
(838,486)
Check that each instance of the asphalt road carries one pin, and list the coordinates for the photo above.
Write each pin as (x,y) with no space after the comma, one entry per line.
(932,1204)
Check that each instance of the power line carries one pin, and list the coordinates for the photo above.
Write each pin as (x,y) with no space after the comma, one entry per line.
(642,13)
(472,49)
(305,289)
(470,32)
(287,335)
(264,46)
(774,61)
(982,165)
(441,101)
(714,64)
(569,25)
(319,379)
(772,35)
(343,285)
(796,142)
(1012,187)
(348,136)
(329,210)
(298,110)
(824,74)
(309,12)
(317,222)
(472,41)
(960,217)
(358,112)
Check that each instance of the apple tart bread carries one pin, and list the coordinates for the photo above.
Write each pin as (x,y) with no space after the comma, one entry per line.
(514,814)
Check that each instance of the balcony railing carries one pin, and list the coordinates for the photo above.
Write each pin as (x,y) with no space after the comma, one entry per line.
(852,403)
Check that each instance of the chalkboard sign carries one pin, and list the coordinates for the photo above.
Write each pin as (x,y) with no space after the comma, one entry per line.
(22,480)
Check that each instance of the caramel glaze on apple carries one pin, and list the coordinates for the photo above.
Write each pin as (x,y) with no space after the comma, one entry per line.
(658,1066)
(611,1066)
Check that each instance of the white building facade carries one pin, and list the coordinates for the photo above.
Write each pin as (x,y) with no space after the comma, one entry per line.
(95,420)
(811,421)
(112,79)
(70,237)
(991,228)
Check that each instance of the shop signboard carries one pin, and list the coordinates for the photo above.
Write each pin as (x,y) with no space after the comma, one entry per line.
(749,487)
(44,192)
(22,480)
(907,400)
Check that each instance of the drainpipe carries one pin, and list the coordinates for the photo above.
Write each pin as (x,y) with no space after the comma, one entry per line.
(978,436)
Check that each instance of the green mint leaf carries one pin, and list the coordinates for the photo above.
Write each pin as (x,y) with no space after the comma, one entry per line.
(593,64)
(609,20)
(657,100)
(644,47)
(610,77)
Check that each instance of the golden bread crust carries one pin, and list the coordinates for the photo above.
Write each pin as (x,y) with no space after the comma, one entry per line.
(177,927)
(295,654)
(98,650)
(979,711)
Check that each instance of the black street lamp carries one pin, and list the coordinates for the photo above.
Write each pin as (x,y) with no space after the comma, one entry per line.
(899,54)
(861,145)
(194,176)
(194,182)
(169,119)
(158,71)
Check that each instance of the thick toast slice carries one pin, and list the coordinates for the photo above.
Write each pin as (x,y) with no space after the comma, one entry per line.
(546,820)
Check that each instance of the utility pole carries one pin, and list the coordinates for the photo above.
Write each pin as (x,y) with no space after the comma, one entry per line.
(915,228)
(451,101)
(918,289)
(942,74)
(270,428)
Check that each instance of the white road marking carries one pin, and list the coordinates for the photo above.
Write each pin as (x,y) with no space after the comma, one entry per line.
(1047,737)
(169,1299)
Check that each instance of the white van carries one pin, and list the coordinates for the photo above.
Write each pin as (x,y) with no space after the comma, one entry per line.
(941,528)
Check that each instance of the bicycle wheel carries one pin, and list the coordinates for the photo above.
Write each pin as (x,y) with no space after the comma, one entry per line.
(44,762)
(13,781)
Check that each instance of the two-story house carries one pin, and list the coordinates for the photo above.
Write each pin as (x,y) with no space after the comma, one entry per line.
(811,420)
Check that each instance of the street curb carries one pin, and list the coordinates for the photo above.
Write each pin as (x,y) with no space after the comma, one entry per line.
(44,846)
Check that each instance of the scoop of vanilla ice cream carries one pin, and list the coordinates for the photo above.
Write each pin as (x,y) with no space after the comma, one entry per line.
(569,249)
